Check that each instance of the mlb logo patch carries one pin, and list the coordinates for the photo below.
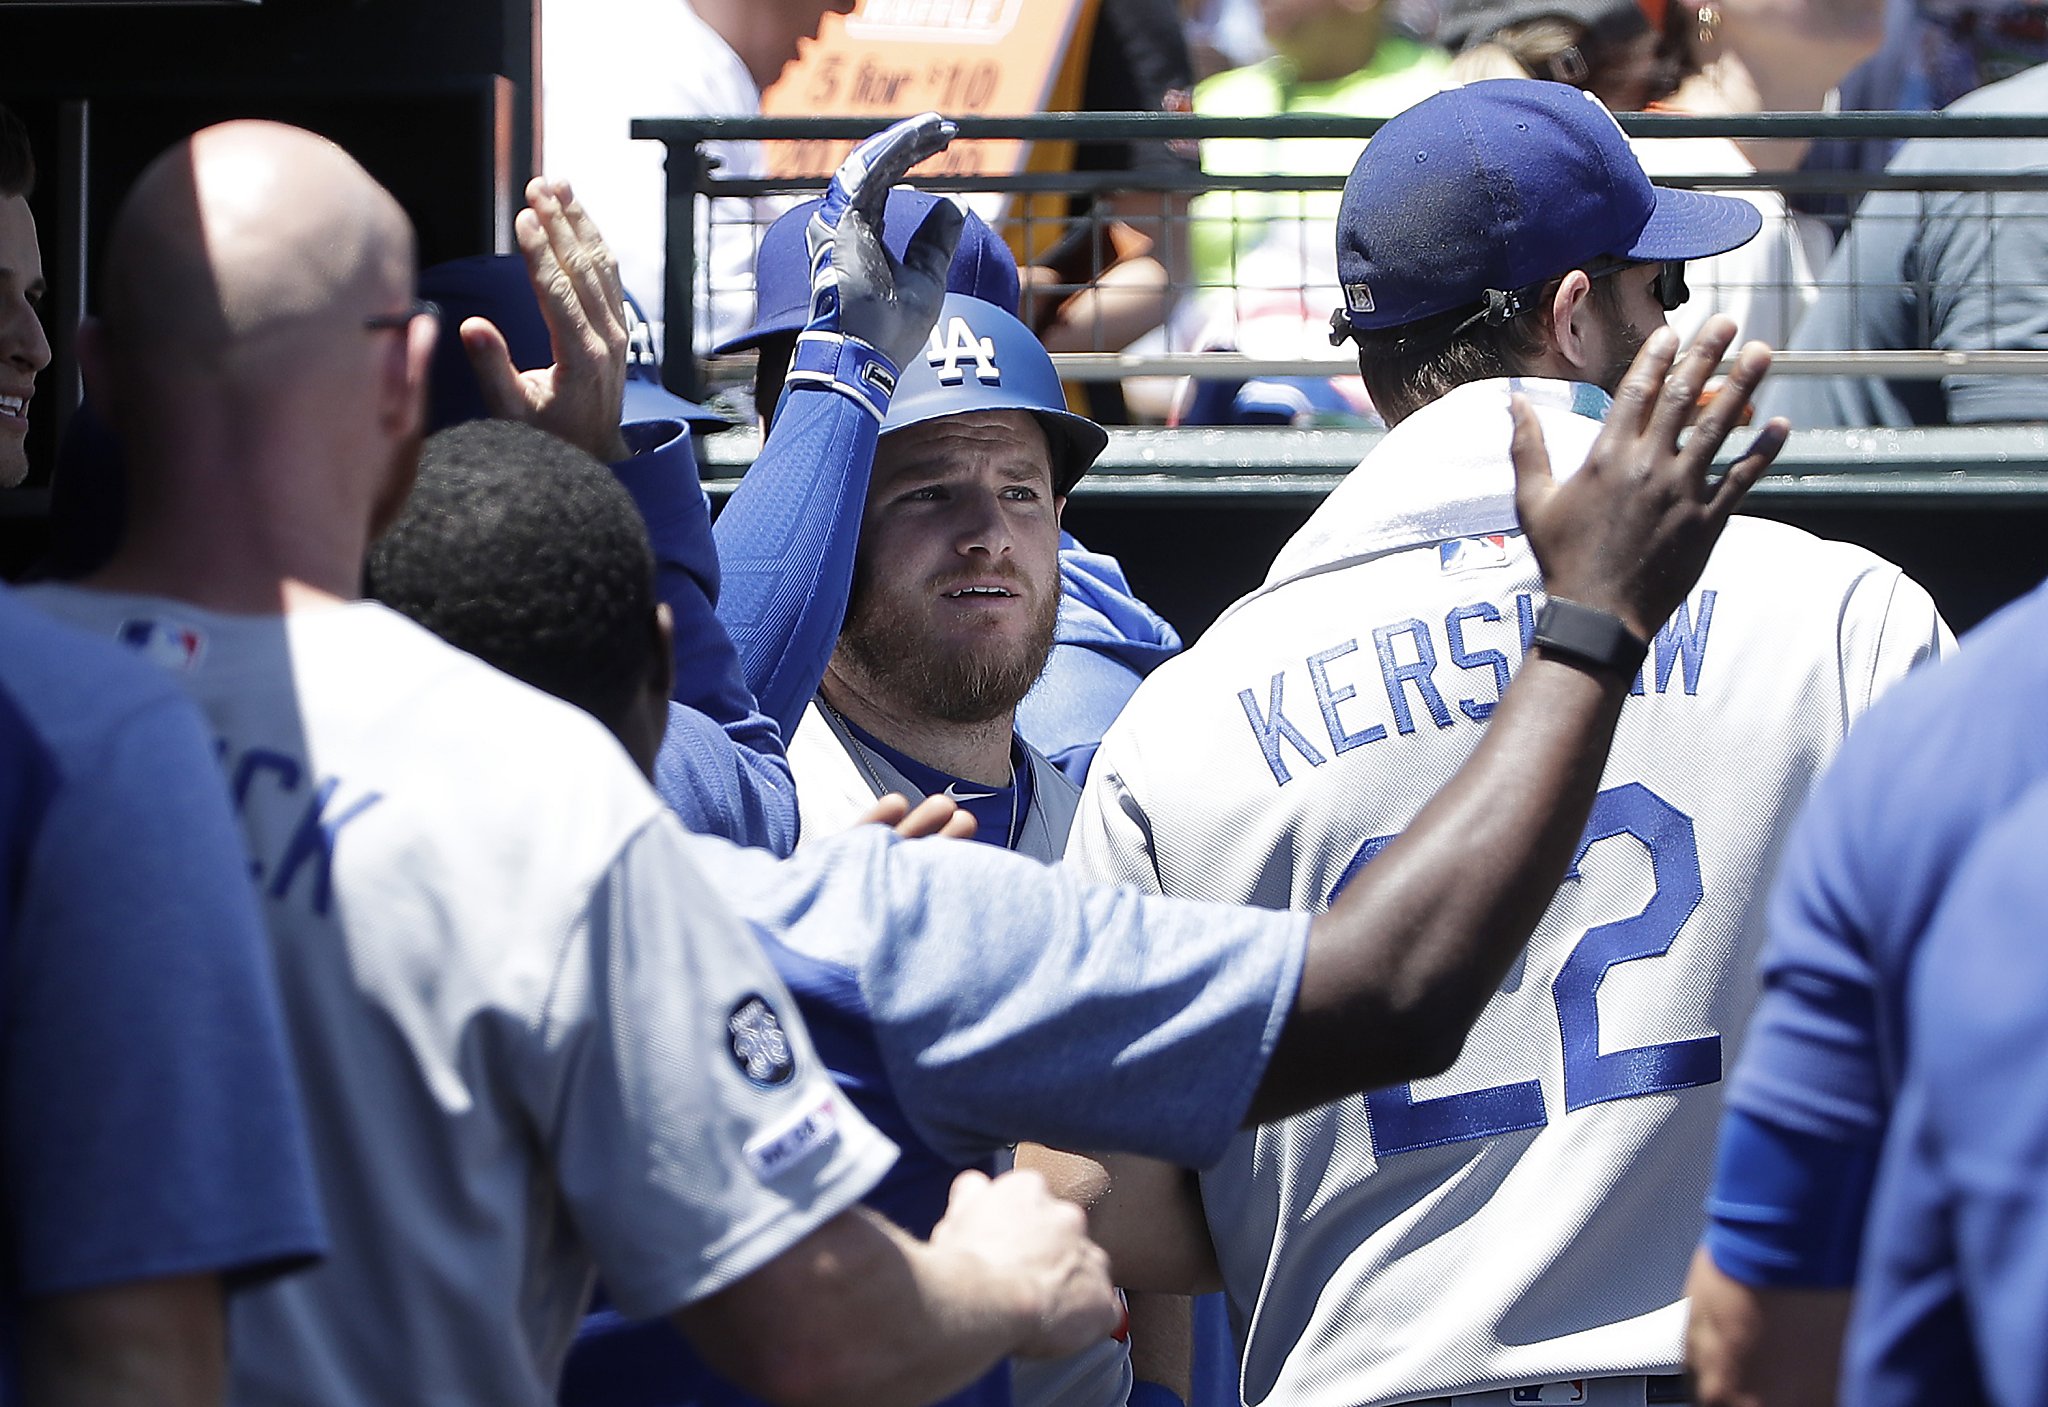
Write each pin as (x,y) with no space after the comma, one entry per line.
(1542,1394)
(1465,554)
(1358,297)
(173,647)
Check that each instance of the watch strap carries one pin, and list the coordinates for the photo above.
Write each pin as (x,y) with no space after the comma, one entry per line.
(1589,636)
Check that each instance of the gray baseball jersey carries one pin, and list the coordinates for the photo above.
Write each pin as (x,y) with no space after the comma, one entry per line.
(1527,1216)
(532,1041)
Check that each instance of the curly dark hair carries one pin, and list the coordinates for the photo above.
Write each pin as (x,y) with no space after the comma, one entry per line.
(17,159)
(527,553)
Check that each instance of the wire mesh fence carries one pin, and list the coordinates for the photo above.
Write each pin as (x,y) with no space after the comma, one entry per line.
(1176,286)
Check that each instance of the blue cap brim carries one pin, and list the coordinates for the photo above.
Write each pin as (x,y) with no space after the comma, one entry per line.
(649,400)
(1694,225)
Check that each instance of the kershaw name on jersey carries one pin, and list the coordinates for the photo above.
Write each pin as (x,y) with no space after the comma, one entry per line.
(1441,671)
(1527,1217)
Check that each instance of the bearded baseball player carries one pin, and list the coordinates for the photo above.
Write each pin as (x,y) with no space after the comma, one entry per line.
(1516,1229)
(948,597)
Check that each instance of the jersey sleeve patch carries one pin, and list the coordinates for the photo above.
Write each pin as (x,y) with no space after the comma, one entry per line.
(759,1045)
(792,1139)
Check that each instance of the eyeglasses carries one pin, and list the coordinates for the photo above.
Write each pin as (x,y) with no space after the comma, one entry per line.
(1669,288)
(398,322)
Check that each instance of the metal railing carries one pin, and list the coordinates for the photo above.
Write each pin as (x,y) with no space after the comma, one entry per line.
(1951,468)
(1893,467)
(691,177)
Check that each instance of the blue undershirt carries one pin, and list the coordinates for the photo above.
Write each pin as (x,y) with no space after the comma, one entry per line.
(721,766)
(998,812)
(1786,1209)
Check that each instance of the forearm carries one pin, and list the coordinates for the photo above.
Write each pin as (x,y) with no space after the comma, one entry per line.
(158,1343)
(1401,966)
(662,478)
(786,545)
(1163,1342)
(860,1312)
(1146,1214)
(733,781)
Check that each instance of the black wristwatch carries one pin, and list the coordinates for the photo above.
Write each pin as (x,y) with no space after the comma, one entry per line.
(1590,637)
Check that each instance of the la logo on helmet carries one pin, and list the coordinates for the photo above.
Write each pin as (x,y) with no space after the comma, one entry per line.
(960,344)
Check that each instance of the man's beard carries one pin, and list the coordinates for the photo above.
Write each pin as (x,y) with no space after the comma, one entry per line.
(885,639)
(1626,340)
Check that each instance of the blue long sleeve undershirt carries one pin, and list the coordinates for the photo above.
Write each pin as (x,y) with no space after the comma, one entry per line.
(786,543)
(1786,1210)
(721,767)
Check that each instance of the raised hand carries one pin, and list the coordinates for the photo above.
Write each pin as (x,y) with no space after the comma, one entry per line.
(1039,1245)
(1630,532)
(871,312)
(579,398)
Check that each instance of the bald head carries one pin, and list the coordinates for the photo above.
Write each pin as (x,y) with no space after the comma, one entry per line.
(255,350)
(248,247)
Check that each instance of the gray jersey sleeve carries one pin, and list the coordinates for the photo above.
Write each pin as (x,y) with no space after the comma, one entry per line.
(1011,1000)
(694,1131)
(1890,626)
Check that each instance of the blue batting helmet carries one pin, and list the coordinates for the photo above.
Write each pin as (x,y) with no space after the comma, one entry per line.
(981,358)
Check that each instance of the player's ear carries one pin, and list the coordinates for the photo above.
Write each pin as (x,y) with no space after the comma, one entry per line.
(1059,507)
(1568,319)
(662,668)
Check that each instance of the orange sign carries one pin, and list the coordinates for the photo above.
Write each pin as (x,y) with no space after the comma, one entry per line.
(890,58)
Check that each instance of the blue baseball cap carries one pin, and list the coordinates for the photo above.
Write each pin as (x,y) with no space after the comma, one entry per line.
(1485,191)
(496,286)
(983,266)
(979,357)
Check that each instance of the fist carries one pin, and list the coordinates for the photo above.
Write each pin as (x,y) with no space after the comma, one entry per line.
(1038,1245)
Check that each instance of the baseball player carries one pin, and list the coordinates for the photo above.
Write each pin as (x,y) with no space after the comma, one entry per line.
(1515,1229)
(534,1043)
(1106,639)
(950,595)
(1146,1024)
(1810,1102)
(156,1150)
(1950,1300)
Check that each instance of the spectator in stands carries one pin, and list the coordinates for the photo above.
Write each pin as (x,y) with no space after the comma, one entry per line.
(438,846)
(1264,275)
(1934,52)
(154,1148)
(1265,255)
(1608,47)
(1223,34)
(1947,271)
(606,62)
(1744,56)
(1106,639)
(24,349)
(1739,56)
(1100,268)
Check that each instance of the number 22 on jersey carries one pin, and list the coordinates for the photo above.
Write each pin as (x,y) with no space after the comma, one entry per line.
(1402,1123)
